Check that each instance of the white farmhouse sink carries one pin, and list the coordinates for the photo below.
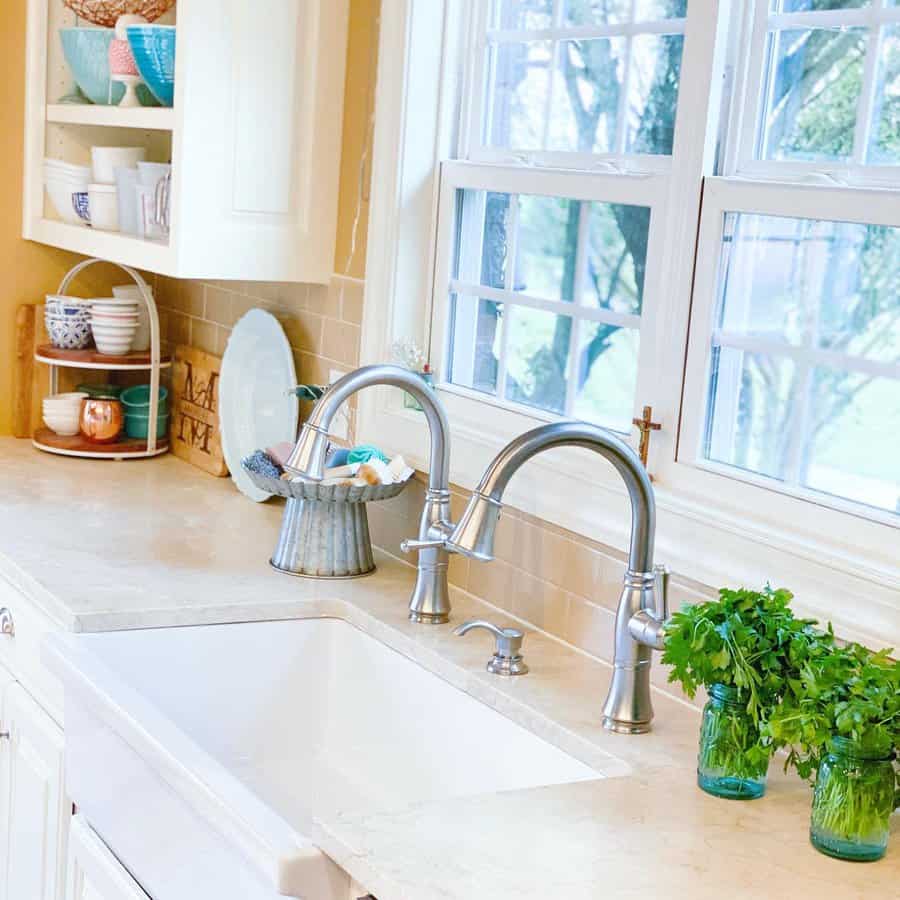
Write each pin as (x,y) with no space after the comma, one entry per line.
(202,754)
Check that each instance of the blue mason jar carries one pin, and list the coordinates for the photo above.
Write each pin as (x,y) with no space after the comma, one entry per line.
(853,801)
(727,762)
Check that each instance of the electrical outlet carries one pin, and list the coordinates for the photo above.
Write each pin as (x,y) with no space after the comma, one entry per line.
(340,425)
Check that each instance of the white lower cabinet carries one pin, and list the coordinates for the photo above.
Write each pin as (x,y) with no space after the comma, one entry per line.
(34,811)
(93,872)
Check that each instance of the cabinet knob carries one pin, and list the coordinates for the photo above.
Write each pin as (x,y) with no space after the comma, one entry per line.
(6,622)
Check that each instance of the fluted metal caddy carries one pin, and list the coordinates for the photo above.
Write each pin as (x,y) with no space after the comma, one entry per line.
(325,529)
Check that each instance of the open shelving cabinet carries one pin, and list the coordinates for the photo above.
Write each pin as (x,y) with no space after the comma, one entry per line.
(254,138)
(152,362)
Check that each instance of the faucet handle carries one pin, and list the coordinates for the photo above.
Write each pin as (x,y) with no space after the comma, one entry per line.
(507,658)
(409,545)
(660,592)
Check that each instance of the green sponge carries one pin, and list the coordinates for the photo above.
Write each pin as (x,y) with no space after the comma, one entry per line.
(364,452)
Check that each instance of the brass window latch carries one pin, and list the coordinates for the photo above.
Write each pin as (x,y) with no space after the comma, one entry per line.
(645,425)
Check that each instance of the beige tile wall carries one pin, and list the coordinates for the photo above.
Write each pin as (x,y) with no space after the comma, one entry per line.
(321,322)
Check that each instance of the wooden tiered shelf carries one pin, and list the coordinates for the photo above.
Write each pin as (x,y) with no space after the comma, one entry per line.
(93,359)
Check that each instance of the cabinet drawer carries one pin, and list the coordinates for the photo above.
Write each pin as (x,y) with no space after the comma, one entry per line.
(20,652)
(93,873)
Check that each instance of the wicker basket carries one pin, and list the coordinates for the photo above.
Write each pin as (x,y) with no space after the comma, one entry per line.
(106,12)
(325,530)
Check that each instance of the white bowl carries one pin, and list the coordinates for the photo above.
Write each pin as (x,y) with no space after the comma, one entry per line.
(61,197)
(67,397)
(105,305)
(64,166)
(110,348)
(63,423)
(105,160)
(113,329)
(104,207)
(114,320)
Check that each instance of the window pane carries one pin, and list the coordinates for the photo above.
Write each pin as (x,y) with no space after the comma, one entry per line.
(827,422)
(518,14)
(537,358)
(607,368)
(860,297)
(812,90)
(652,10)
(614,12)
(474,342)
(595,12)
(518,94)
(884,147)
(481,246)
(855,420)
(586,88)
(547,246)
(616,257)
(752,401)
(789,6)
(832,285)
(653,94)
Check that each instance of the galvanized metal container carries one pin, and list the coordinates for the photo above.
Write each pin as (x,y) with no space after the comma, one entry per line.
(325,530)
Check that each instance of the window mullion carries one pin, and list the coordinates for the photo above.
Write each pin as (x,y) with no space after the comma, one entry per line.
(578,295)
(866,106)
(509,284)
(622,110)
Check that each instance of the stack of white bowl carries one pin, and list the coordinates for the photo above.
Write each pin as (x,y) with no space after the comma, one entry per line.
(114,323)
(63,180)
(62,412)
(68,321)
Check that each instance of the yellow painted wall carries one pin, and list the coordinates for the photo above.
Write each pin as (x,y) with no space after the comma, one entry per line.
(27,270)
(356,156)
(30,270)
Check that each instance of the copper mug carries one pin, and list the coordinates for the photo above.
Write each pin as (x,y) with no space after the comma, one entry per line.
(101,419)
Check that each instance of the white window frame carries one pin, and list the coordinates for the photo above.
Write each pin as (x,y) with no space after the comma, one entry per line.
(712,528)
(647,191)
(724,195)
(472,108)
(752,30)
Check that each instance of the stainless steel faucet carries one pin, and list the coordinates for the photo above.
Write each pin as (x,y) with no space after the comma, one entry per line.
(642,606)
(430,601)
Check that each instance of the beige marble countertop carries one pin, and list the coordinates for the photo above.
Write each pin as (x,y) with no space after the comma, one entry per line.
(104,545)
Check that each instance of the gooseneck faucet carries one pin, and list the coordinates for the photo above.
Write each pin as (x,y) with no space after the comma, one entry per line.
(642,606)
(430,601)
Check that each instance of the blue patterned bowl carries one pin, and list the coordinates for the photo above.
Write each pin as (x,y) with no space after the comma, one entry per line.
(81,205)
(87,54)
(153,47)
(69,334)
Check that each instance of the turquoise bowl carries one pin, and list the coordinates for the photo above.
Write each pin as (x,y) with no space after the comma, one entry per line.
(136,400)
(87,54)
(138,426)
(153,47)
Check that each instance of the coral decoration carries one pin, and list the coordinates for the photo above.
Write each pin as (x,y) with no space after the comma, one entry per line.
(105,12)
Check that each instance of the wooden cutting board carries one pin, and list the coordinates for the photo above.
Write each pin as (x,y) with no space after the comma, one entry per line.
(31,380)
(194,426)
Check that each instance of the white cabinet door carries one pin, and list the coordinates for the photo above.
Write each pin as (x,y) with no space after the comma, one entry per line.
(93,872)
(34,812)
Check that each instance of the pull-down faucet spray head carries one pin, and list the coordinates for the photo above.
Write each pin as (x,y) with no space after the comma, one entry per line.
(473,535)
(307,459)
